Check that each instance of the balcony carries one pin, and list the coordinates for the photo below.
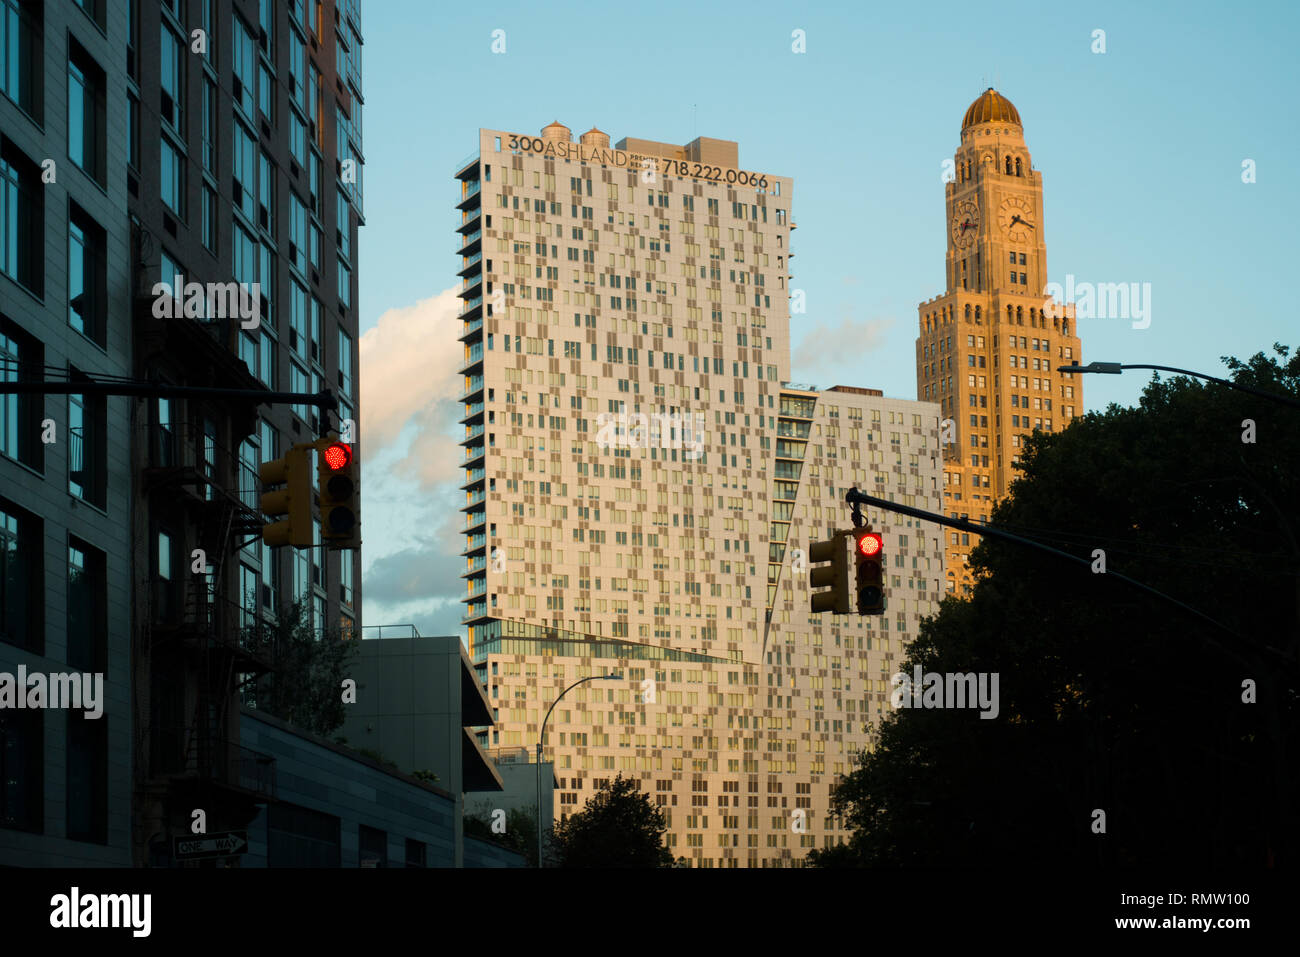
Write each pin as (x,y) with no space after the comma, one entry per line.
(473,410)
(473,386)
(470,243)
(474,520)
(475,565)
(469,194)
(786,449)
(474,498)
(474,543)
(469,262)
(470,219)
(473,433)
(467,168)
(473,357)
(472,327)
(472,454)
(474,477)
(471,307)
(798,408)
(798,430)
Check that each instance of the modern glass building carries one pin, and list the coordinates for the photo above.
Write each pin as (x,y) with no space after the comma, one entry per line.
(642,483)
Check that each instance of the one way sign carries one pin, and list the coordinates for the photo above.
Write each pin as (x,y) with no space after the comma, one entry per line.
(210,845)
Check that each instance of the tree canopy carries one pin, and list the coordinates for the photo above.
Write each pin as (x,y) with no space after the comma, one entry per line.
(618,827)
(1112,700)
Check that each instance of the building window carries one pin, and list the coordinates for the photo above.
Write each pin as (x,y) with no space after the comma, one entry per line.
(171,176)
(133,131)
(209,125)
(22,219)
(345,285)
(266,195)
(209,199)
(298,240)
(344,224)
(87,604)
(245,171)
(21,359)
(20,53)
(299,837)
(345,364)
(87,276)
(415,852)
(373,847)
(87,780)
(22,619)
(346,579)
(22,770)
(171,59)
(85,112)
(245,66)
(87,451)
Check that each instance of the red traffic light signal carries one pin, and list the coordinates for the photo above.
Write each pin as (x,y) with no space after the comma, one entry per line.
(337,456)
(870,544)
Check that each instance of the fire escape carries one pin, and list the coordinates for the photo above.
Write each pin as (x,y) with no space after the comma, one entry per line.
(199,637)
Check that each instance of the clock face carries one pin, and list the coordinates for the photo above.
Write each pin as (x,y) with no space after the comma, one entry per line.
(965,223)
(1016,218)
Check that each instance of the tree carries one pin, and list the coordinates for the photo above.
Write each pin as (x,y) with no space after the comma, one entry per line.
(305,687)
(520,833)
(1111,700)
(618,827)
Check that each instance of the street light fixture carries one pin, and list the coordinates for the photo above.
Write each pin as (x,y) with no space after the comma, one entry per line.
(1115,368)
(541,736)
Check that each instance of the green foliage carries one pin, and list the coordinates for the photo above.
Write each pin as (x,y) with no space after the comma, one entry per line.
(306,686)
(1111,699)
(520,834)
(425,775)
(618,827)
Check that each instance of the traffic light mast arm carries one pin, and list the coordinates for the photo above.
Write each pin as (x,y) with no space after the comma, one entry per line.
(857,497)
(325,400)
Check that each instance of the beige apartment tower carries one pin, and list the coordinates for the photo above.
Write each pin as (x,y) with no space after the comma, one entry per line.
(642,483)
(989,346)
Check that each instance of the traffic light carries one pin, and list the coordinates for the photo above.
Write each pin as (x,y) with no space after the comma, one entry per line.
(868,551)
(339,477)
(835,574)
(293,500)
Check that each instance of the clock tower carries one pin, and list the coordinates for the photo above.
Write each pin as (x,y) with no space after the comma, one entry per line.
(989,346)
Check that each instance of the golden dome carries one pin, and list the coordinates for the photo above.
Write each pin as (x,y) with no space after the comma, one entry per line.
(991,107)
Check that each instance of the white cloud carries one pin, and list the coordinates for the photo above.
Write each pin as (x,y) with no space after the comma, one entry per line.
(408,363)
(828,355)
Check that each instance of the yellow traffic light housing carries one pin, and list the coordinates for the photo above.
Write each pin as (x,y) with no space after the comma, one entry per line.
(833,556)
(869,553)
(292,472)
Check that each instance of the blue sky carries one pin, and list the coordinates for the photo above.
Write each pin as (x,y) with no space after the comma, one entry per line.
(1141,151)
